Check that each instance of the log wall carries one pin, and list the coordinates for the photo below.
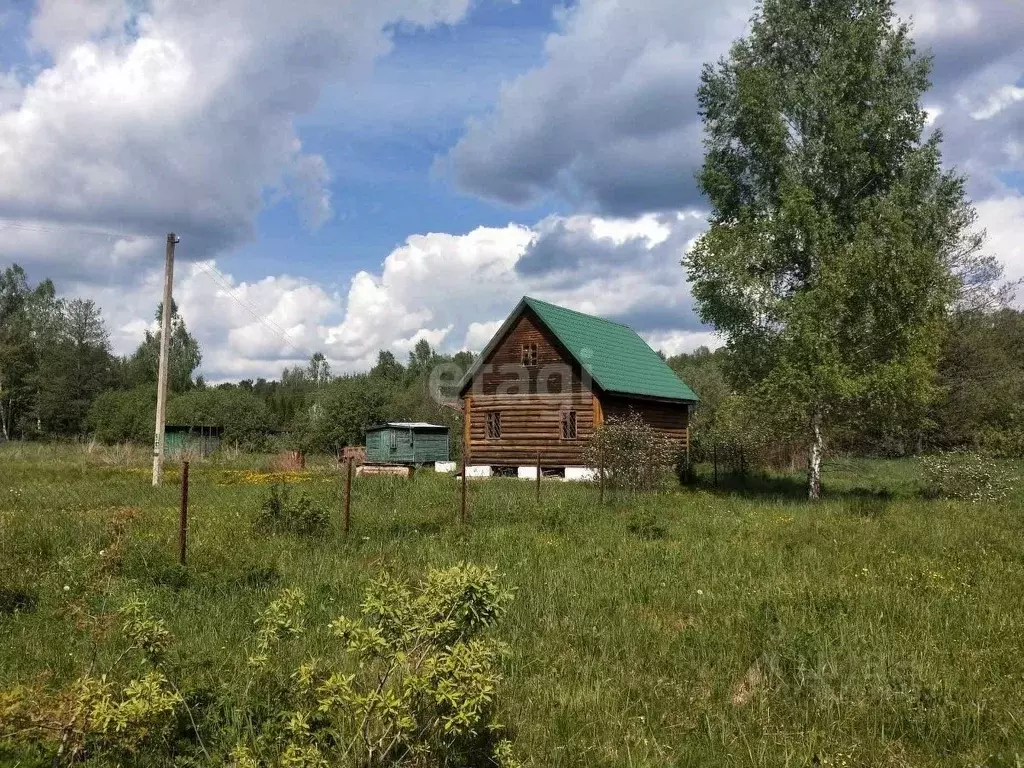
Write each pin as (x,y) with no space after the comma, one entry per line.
(529,423)
(670,419)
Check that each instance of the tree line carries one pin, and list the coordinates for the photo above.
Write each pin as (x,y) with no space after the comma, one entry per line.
(60,380)
(977,403)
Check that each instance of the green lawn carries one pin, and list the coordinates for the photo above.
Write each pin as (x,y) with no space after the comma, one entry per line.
(738,626)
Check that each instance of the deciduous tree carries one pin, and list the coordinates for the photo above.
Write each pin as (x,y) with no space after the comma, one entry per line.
(837,243)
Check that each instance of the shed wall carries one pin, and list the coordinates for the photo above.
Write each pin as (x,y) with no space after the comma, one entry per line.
(431,446)
(394,445)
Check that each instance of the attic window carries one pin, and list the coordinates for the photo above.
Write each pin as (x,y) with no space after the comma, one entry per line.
(569,425)
(529,354)
(494,425)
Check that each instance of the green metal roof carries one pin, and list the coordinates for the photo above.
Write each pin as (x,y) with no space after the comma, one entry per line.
(614,355)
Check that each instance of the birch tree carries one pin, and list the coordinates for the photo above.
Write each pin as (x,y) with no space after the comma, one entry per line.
(837,243)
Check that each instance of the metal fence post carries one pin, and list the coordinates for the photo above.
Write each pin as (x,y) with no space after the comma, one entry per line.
(348,494)
(183,518)
(538,477)
(462,513)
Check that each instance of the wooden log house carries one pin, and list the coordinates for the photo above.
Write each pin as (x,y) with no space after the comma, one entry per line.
(550,375)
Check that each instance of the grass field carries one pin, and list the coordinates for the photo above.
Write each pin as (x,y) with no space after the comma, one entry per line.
(711,627)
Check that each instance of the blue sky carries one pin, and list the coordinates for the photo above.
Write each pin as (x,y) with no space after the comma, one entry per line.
(357,175)
(380,138)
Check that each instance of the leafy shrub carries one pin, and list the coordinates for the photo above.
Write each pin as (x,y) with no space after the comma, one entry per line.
(416,687)
(279,512)
(1007,443)
(965,476)
(101,715)
(118,416)
(414,684)
(634,455)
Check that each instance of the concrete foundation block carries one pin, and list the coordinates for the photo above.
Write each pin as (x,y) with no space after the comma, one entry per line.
(527,473)
(479,470)
(579,474)
(444,466)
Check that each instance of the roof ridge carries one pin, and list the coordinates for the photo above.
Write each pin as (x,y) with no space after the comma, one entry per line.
(529,299)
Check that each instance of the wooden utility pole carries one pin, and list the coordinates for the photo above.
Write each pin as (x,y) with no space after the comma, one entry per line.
(161,382)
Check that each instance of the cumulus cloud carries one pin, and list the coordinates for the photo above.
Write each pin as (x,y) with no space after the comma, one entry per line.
(609,121)
(171,116)
(452,290)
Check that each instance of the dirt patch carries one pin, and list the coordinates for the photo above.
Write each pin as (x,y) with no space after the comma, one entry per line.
(746,688)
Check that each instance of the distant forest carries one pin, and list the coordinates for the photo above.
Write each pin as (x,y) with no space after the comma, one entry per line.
(60,380)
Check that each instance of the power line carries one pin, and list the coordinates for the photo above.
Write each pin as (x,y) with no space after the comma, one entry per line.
(65,228)
(226,281)
(223,282)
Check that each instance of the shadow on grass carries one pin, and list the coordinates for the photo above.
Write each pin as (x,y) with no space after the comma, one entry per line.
(757,485)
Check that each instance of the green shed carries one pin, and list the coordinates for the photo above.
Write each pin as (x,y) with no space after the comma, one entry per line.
(406,442)
(181,439)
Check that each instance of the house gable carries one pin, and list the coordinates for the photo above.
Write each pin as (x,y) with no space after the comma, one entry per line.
(502,370)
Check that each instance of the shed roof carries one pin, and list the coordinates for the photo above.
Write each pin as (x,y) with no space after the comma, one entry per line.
(614,355)
(408,425)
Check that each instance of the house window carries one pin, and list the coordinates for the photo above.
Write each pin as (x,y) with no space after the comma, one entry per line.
(569,425)
(529,354)
(494,425)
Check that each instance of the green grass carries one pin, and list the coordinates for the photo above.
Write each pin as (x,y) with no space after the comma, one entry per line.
(738,626)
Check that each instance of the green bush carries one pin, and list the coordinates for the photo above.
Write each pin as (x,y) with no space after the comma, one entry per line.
(411,682)
(280,513)
(123,415)
(415,686)
(965,476)
(633,455)
(1006,443)
(120,717)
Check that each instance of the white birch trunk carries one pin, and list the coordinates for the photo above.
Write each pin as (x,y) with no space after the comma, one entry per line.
(814,463)
(3,415)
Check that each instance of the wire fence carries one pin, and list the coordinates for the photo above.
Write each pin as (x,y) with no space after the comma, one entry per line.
(64,492)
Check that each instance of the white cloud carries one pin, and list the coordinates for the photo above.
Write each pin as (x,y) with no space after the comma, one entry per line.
(452,290)
(1003,219)
(998,101)
(171,116)
(455,290)
(675,343)
(608,120)
(478,334)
